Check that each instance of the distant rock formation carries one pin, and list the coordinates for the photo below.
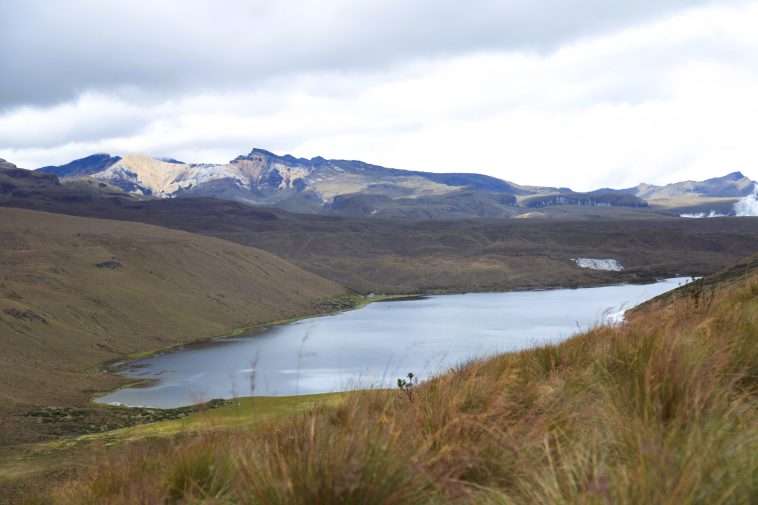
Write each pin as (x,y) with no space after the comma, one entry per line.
(586,199)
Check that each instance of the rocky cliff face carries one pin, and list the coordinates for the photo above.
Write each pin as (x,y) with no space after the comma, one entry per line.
(586,199)
(266,171)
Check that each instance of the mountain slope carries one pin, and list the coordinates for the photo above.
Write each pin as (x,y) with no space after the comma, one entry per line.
(150,176)
(42,188)
(84,166)
(348,187)
(75,292)
(314,185)
(733,185)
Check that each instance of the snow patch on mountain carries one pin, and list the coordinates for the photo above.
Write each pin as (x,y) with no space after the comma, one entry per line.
(609,264)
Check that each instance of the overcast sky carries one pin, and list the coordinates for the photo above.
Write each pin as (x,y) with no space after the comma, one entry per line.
(579,93)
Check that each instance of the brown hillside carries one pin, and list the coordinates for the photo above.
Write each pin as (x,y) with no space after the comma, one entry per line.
(75,292)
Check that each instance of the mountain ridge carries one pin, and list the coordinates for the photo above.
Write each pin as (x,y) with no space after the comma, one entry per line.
(83,166)
(353,187)
(734,185)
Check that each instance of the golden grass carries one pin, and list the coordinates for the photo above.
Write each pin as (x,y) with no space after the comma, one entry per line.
(659,410)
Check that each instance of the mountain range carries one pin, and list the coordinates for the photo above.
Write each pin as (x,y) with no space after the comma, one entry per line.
(358,189)
(733,185)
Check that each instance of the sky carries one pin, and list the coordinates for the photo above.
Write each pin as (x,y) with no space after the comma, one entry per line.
(577,93)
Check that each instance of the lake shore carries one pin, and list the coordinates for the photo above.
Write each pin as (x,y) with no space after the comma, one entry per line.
(288,365)
(363,300)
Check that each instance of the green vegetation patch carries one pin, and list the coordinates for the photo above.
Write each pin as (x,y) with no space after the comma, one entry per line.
(75,421)
(354,301)
(337,303)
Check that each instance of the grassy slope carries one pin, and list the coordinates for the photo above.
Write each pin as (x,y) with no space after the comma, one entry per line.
(30,467)
(397,256)
(659,410)
(61,315)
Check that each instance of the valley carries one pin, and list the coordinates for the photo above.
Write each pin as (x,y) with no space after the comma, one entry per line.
(92,273)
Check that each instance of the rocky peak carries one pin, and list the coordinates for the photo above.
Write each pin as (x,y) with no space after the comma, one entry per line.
(262,155)
(84,166)
(734,176)
(258,150)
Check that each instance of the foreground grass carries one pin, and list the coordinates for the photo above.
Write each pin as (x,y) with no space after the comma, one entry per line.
(660,410)
(33,466)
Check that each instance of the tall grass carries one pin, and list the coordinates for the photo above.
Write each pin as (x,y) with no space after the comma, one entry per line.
(659,410)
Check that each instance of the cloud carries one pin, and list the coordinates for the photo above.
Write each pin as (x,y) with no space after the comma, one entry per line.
(581,103)
(748,206)
(56,51)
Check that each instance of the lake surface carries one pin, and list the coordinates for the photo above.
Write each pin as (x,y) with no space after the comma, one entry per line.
(374,345)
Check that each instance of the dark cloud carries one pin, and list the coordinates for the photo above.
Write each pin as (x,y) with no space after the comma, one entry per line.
(53,51)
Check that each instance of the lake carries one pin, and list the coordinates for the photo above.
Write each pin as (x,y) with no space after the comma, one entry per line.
(374,345)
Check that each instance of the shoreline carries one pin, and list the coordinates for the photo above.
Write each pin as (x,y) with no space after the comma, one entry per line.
(111,367)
